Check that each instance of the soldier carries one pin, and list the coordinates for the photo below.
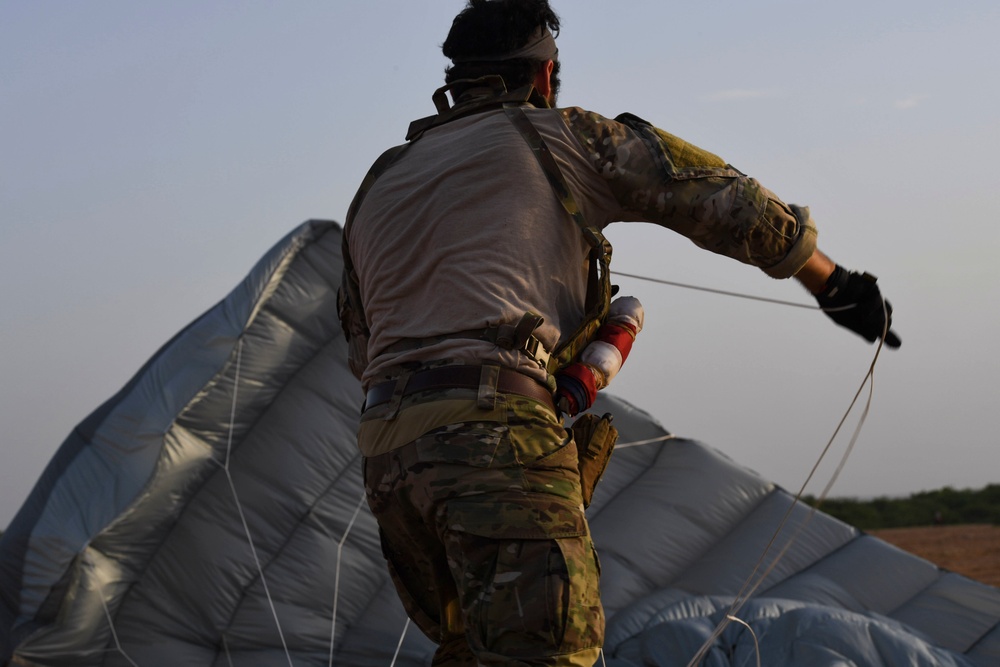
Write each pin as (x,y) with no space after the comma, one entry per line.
(475,273)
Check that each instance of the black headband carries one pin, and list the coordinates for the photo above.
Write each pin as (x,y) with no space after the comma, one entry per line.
(541,46)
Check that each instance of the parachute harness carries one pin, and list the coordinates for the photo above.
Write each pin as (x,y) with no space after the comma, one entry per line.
(599,288)
(518,335)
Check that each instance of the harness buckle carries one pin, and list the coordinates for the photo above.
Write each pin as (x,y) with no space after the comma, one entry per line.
(536,349)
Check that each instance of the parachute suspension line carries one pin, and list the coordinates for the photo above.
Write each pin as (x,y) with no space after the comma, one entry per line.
(650,441)
(232,408)
(225,646)
(400,644)
(114,633)
(756,644)
(748,590)
(336,577)
(239,506)
(738,295)
(717,291)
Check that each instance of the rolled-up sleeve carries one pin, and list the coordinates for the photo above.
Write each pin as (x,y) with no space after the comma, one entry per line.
(659,178)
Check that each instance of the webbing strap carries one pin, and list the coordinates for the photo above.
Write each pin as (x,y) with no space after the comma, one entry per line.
(599,279)
(489,377)
(550,167)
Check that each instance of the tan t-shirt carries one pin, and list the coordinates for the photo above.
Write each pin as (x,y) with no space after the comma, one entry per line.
(463,231)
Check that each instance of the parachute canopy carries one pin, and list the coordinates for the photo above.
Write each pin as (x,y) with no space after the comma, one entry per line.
(212,513)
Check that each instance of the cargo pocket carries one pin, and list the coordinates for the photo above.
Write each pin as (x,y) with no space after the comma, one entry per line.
(476,444)
(515,557)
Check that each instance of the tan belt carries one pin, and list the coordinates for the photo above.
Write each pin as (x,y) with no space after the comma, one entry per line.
(460,377)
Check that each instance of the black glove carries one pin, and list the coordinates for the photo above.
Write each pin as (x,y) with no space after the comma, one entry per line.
(854,301)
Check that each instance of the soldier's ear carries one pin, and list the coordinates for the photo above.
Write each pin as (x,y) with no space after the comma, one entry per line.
(543,79)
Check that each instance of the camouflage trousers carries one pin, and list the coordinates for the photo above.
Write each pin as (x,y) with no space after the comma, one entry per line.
(483,529)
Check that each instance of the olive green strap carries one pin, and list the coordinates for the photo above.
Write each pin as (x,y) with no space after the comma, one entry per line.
(599,279)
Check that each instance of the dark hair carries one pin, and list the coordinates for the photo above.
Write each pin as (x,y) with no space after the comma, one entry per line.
(494,27)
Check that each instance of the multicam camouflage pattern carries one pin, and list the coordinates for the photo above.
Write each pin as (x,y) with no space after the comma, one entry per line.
(484,532)
(595,438)
(663,179)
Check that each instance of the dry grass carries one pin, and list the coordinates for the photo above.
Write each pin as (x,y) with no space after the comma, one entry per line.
(972,551)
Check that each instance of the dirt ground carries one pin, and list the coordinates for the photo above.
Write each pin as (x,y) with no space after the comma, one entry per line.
(972,551)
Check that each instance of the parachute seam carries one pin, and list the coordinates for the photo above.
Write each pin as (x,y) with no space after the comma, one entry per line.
(281,318)
(319,271)
(285,263)
(268,307)
(189,403)
(282,266)
(940,574)
(694,560)
(814,564)
(983,636)
(729,531)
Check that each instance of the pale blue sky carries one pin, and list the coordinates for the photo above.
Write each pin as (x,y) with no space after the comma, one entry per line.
(151,152)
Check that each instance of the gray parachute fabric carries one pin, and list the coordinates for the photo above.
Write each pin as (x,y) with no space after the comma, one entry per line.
(212,513)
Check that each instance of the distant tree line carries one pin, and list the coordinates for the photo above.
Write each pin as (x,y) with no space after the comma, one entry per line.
(945,506)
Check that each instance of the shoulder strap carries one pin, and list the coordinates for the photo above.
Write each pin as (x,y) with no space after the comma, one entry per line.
(493,94)
(599,279)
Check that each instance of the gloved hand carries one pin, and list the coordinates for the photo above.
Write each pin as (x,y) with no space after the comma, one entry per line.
(854,301)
